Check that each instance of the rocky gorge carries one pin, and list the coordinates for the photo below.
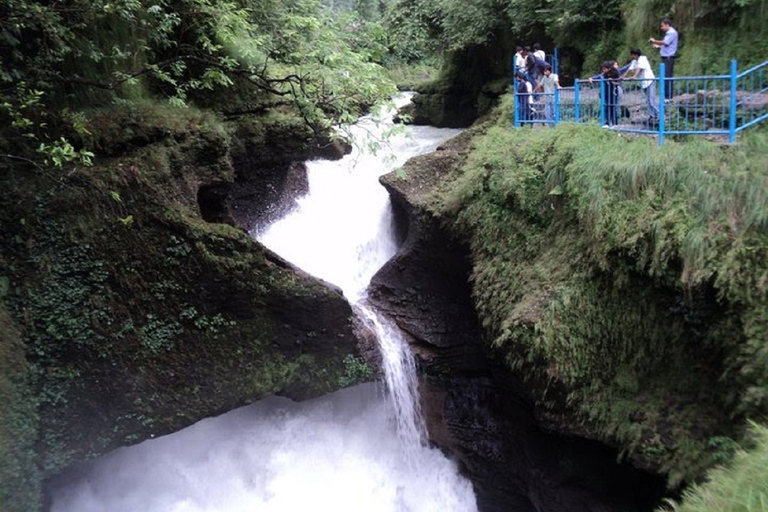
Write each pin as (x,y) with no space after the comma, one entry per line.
(135,304)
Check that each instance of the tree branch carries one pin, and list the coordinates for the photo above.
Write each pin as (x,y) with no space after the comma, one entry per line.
(259,79)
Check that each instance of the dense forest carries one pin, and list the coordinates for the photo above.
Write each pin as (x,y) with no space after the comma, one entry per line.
(119,120)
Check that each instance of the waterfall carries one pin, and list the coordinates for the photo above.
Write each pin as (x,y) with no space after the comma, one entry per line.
(342,231)
(349,451)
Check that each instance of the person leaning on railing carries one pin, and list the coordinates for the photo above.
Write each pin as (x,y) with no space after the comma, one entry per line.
(611,92)
(668,51)
(642,67)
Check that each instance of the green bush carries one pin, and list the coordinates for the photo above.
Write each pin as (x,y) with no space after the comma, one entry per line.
(740,486)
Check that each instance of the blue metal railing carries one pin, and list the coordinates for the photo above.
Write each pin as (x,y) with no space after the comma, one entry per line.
(720,105)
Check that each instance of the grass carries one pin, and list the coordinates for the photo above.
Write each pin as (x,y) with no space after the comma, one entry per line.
(740,486)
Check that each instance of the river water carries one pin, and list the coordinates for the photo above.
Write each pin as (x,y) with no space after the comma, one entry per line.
(361,449)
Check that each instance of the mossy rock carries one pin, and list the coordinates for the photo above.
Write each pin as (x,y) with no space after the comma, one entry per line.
(140,318)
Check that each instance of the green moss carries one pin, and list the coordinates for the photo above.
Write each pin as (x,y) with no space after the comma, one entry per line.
(137,328)
(625,281)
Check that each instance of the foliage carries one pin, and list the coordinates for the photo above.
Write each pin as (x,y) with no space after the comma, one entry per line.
(408,77)
(711,33)
(740,486)
(629,277)
(76,52)
(356,370)
(456,25)
(413,28)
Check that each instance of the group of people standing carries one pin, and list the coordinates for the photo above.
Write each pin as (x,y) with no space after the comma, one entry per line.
(639,68)
(534,74)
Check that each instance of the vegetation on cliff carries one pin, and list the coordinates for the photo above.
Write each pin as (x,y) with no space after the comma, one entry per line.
(626,281)
(18,422)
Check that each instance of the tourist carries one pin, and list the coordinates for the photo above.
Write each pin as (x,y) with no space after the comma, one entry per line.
(642,69)
(523,94)
(610,92)
(530,65)
(519,60)
(538,52)
(548,82)
(668,51)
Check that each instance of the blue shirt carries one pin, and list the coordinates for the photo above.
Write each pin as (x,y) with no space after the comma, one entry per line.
(669,49)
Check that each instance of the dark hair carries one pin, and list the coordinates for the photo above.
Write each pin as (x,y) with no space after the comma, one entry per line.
(527,48)
(546,67)
(607,64)
(611,72)
(635,51)
(518,49)
(520,74)
(666,21)
(537,46)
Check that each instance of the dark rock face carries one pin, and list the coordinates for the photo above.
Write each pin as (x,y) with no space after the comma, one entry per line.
(472,82)
(475,409)
(269,175)
(265,194)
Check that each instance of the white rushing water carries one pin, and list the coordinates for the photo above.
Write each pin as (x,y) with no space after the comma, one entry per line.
(355,450)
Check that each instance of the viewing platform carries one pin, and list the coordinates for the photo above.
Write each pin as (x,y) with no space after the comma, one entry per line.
(719,106)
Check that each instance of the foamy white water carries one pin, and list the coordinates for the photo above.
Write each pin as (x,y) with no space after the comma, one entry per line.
(351,451)
(333,454)
(342,230)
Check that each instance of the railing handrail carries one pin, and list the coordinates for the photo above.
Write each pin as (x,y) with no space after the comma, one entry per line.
(752,69)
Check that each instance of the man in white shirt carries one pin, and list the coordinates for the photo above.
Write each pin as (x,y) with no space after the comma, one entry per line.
(642,67)
(519,60)
(548,82)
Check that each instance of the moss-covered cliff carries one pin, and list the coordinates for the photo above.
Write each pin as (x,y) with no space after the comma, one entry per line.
(626,283)
(127,316)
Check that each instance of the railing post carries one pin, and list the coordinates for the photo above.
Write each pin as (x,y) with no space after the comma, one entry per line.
(516,109)
(732,114)
(514,72)
(602,101)
(662,110)
(576,100)
(557,105)
(555,60)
